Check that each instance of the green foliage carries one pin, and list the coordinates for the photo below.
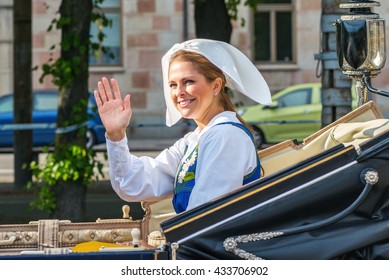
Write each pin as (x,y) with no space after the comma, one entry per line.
(64,70)
(70,163)
(232,7)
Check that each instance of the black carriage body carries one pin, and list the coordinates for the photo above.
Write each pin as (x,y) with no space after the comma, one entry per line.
(306,194)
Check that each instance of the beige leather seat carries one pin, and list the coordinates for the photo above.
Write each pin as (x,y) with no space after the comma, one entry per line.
(354,128)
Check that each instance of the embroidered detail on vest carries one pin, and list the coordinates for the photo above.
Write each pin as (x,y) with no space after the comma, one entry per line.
(185,181)
(186,177)
(187,172)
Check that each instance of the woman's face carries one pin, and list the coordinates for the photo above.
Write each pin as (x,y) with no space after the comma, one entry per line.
(194,97)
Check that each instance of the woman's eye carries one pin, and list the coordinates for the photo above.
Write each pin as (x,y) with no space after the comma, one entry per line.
(172,85)
(189,82)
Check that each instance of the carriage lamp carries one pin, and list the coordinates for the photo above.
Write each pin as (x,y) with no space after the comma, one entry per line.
(360,43)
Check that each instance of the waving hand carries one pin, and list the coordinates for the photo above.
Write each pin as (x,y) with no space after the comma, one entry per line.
(115,112)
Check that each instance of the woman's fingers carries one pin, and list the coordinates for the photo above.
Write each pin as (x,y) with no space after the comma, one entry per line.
(102,93)
(116,90)
(97,98)
(107,88)
(127,102)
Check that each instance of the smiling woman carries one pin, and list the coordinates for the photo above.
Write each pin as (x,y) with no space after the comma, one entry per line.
(205,163)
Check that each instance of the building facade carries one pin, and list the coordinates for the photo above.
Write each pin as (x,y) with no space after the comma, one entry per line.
(281,39)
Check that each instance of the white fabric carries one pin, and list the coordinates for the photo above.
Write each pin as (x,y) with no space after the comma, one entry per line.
(225,153)
(241,74)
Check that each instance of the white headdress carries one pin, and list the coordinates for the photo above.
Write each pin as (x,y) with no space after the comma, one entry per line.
(240,72)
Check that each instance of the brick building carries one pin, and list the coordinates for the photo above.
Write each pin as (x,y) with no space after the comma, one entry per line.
(143,30)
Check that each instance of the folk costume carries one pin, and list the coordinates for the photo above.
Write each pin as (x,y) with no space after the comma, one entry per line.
(204,164)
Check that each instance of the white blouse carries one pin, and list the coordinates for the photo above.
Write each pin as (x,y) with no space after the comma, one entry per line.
(226,155)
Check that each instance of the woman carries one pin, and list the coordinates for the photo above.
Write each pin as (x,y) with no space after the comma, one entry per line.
(218,157)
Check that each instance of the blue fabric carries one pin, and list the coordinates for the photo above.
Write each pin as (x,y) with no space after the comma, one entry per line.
(185,184)
(185,181)
(181,200)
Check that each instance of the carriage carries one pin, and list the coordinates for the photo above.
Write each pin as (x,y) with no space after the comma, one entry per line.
(326,198)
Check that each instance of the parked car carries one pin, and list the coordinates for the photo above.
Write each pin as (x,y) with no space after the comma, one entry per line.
(44,119)
(294,114)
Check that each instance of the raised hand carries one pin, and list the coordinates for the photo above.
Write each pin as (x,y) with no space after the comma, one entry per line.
(115,112)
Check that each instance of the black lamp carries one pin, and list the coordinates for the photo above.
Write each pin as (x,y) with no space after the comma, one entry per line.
(361,49)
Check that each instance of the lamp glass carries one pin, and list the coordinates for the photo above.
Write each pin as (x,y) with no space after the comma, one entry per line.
(376,41)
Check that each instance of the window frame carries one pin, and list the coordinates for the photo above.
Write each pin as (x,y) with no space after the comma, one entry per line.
(119,11)
(273,9)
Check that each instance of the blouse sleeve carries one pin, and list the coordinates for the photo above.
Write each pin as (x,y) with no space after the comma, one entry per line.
(226,155)
(142,178)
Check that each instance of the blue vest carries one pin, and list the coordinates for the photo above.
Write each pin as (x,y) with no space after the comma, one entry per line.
(186,177)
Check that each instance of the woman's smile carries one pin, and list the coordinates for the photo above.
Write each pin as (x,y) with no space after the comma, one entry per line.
(184,103)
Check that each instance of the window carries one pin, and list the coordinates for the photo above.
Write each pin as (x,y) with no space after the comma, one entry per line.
(7,104)
(296,98)
(45,101)
(273,31)
(113,33)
